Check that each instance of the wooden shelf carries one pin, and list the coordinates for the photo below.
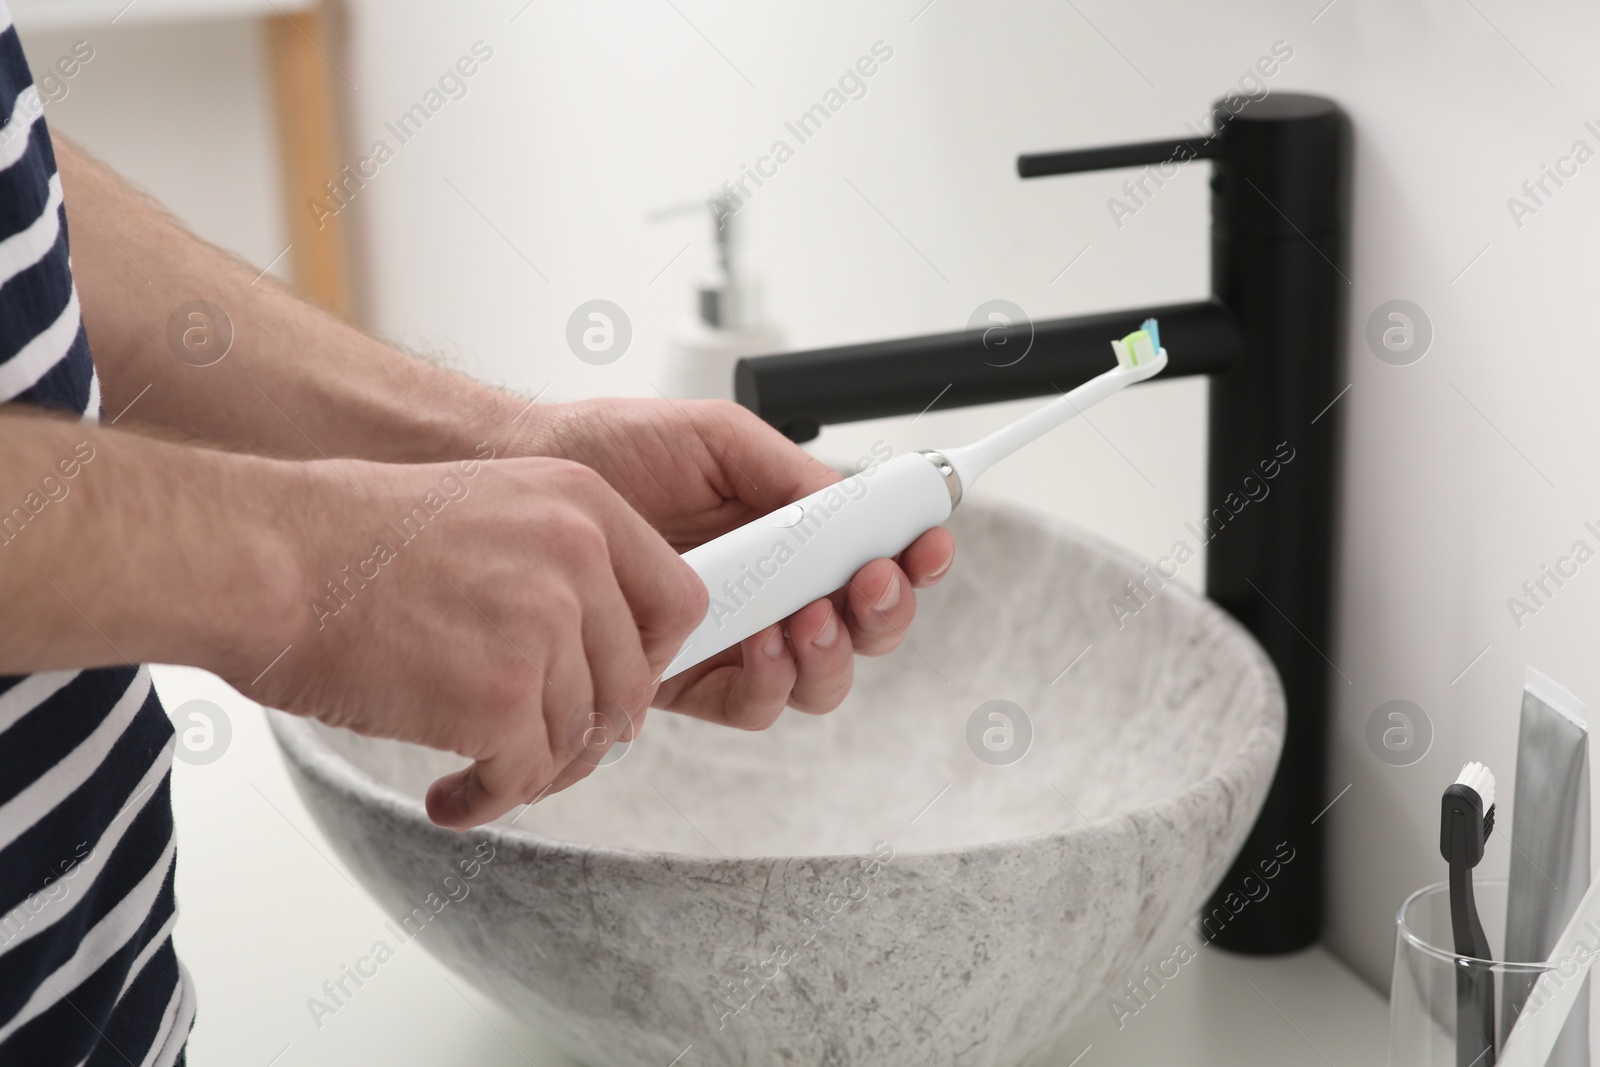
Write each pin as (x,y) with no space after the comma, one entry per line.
(97,14)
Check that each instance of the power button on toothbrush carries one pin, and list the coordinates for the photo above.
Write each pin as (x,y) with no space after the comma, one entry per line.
(784,518)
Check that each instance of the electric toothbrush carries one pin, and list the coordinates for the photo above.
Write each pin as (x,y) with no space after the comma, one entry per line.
(770,568)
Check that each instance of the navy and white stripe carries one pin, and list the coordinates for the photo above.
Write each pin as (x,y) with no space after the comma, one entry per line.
(88,975)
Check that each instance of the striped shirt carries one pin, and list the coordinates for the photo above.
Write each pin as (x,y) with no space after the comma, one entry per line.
(88,974)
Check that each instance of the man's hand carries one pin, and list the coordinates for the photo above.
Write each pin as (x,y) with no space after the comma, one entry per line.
(696,469)
(481,608)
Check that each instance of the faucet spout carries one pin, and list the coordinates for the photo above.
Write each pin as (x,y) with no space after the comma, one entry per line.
(800,392)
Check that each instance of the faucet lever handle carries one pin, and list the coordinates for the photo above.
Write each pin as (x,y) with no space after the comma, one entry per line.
(1146,153)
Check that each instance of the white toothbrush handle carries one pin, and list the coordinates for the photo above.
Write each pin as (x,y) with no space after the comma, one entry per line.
(770,568)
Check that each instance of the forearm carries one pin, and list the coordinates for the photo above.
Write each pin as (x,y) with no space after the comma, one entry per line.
(115,548)
(295,382)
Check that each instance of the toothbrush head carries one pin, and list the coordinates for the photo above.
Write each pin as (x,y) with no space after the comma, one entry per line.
(1141,350)
(1480,780)
(1467,815)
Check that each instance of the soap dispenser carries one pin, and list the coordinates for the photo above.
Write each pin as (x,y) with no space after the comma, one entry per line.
(726,324)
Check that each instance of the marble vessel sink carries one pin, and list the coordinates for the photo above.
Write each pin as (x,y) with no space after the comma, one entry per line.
(886,885)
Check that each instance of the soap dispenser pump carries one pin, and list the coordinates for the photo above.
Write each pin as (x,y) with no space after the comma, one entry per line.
(726,324)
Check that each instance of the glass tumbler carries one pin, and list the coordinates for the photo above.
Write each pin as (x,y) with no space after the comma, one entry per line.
(1433,987)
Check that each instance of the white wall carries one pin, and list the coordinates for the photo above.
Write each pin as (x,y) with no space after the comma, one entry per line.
(1464,471)
(183,110)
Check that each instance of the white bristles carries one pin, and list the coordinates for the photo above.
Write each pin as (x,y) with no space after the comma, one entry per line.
(1140,353)
(1143,351)
(1478,778)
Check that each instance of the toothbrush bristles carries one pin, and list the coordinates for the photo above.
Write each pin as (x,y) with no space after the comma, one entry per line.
(1478,778)
(1140,348)
(1150,327)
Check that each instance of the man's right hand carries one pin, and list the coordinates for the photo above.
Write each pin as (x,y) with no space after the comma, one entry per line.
(485,608)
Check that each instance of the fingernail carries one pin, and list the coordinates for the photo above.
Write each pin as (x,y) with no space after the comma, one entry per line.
(891,595)
(773,645)
(933,575)
(829,632)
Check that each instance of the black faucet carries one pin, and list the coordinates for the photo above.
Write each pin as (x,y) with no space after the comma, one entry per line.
(1271,340)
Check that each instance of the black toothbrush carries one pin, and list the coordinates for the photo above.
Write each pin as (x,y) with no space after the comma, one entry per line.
(1465,822)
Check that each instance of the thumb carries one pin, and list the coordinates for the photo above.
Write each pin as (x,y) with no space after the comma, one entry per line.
(484,791)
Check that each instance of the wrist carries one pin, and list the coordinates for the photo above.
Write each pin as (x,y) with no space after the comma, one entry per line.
(269,526)
(555,430)
(457,418)
(428,414)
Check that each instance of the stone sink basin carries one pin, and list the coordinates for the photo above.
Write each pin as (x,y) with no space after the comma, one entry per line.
(921,878)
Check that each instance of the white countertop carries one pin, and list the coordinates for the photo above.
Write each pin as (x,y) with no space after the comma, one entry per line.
(268,914)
